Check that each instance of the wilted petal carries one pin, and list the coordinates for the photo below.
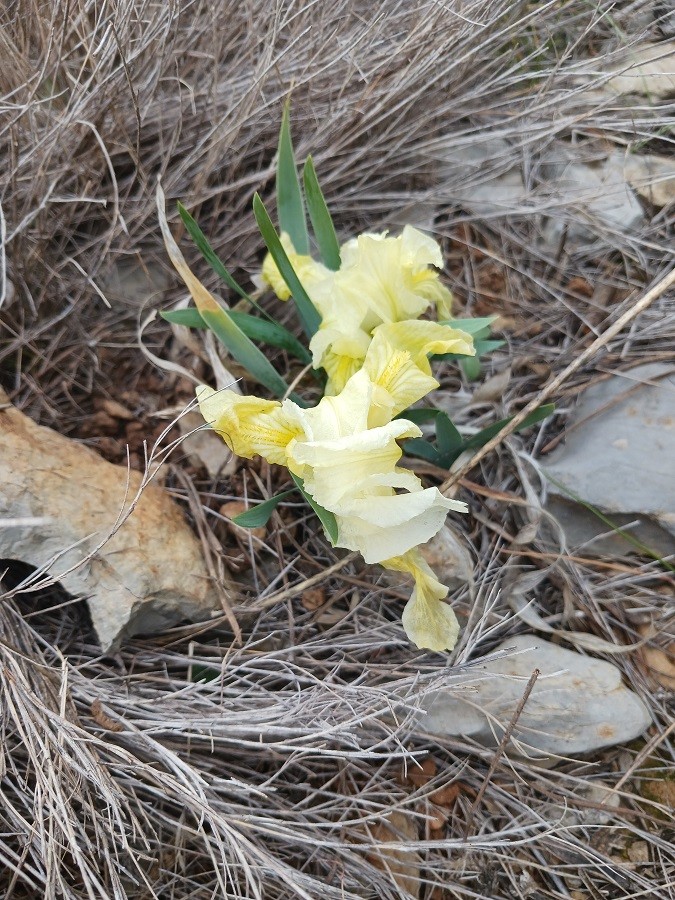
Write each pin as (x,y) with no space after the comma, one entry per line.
(429,622)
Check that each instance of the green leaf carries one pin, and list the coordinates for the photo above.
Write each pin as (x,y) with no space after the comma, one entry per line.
(203,674)
(260,514)
(471,367)
(326,518)
(244,350)
(290,207)
(445,458)
(189,318)
(471,326)
(322,223)
(448,439)
(271,333)
(309,316)
(484,347)
(419,415)
(488,433)
(421,448)
(209,253)
(257,329)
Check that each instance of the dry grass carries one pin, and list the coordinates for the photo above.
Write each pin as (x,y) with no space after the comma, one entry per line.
(189,766)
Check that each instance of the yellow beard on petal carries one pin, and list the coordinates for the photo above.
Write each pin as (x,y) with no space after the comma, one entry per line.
(250,426)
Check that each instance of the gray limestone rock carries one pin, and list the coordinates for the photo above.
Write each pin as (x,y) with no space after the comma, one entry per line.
(578,703)
(618,456)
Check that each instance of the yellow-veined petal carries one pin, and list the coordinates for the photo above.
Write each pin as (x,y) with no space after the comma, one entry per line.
(399,381)
(340,353)
(422,339)
(250,426)
(429,622)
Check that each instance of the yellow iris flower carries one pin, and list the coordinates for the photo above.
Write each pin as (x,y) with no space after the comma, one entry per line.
(382,281)
(346,452)
(384,285)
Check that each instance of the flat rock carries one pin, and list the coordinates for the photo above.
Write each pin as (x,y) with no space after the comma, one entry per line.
(578,191)
(483,174)
(588,193)
(618,456)
(149,575)
(578,703)
(652,177)
(449,557)
(204,447)
(647,69)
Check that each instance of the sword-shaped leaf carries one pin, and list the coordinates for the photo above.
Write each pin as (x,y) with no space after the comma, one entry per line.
(309,317)
(324,230)
(257,329)
(218,319)
(290,207)
(260,514)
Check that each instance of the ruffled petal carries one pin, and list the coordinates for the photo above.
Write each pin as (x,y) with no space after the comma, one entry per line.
(340,352)
(418,250)
(422,338)
(380,527)
(398,380)
(338,471)
(250,426)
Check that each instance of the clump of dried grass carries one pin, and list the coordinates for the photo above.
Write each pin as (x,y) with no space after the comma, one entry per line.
(192,767)
(100,99)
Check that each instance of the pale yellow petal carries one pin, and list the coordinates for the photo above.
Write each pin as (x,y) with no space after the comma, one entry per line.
(341,415)
(432,289)
(399,381)
(309,271)
(422,338)
(418,250)
(383,526)
(338,471)
(340,353)
(339,370)
(250,426)
(429,622)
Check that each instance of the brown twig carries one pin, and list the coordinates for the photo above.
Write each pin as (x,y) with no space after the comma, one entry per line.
(500,750)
